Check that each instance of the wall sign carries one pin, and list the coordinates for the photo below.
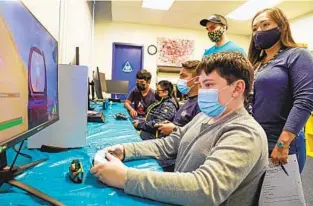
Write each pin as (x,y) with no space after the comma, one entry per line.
(127,67)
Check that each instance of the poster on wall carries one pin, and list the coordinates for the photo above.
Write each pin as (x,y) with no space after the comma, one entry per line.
(173,51)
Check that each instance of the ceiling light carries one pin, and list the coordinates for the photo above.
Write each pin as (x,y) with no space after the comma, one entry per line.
(157,4)
(247,10)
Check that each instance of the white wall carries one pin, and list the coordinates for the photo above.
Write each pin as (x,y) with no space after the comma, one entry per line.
(47,12)
(78,31)
(302,30)
(108,32)
(74,21)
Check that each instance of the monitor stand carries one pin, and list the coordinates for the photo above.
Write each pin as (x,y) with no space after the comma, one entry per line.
(7,176)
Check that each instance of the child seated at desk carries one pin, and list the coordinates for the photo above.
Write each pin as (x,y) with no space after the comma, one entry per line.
(164,109)
(221,155)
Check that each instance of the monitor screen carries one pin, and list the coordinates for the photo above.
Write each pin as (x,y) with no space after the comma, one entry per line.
(117,86)
(37,71)
(28,74)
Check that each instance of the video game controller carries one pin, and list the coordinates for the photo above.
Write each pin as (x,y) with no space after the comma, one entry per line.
(160,123)
(120,116)
(100,157)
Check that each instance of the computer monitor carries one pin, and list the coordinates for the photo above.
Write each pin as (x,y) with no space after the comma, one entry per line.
(100,84)
(29,84)
(117,87)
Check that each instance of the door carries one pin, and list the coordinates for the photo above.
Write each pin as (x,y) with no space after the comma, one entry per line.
(127,61)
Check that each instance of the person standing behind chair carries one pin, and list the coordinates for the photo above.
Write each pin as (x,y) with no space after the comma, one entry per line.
(142,95)
(283,88)
(187,85)
(216,25)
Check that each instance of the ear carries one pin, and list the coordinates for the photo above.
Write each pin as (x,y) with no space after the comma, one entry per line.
(239,89)
(280,29)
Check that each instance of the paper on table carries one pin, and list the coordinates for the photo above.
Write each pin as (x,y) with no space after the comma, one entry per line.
(280,189)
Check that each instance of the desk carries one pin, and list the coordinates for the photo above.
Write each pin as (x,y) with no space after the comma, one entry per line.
(51,176)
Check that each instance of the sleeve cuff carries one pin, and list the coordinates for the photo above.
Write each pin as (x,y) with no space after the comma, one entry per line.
(129,151)
(296,120)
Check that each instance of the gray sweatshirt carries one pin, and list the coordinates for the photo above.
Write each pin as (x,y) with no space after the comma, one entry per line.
(216,164)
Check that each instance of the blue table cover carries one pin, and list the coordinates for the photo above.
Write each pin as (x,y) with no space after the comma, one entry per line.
(51,177)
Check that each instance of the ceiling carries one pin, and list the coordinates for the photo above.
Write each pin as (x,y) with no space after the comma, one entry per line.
(187,14)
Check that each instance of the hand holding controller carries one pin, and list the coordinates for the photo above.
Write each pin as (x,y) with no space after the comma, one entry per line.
(161,123)
(116,150)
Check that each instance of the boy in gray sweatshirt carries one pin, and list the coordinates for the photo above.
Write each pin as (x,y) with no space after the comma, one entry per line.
(221,155)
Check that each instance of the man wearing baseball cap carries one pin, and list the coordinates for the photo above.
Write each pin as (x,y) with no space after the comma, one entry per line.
(216,25)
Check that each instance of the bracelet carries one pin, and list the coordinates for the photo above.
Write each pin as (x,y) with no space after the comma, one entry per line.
(280,144)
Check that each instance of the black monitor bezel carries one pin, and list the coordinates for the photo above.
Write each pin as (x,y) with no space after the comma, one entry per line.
(10,142)
(97,83)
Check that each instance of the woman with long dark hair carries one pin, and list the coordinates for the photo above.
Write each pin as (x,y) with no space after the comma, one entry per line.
(163,110)
(283,88)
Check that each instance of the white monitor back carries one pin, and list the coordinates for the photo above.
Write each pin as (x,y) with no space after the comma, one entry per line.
(71,130)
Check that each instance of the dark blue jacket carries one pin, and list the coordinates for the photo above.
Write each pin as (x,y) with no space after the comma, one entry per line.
(157,112)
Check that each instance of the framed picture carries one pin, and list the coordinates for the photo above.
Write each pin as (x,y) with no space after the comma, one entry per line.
(174,51)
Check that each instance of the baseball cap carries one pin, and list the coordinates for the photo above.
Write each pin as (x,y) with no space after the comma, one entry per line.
(215,18)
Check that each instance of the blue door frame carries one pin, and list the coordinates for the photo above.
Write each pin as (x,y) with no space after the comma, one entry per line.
(121,54)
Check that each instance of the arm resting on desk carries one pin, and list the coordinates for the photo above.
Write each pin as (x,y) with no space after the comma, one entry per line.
(160,149)
(228,164)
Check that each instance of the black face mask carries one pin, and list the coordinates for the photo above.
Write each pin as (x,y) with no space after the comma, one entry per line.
(141,87)
(157,97)
(266,39)
(216,36)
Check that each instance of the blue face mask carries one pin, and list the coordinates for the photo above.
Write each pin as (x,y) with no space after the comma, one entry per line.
(182,86)
(209,104)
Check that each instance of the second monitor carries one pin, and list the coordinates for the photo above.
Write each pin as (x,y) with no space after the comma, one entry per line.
(118,88)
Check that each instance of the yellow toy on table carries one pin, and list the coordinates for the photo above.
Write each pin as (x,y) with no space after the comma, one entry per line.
(309,136)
